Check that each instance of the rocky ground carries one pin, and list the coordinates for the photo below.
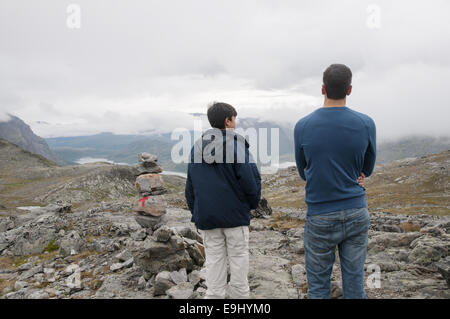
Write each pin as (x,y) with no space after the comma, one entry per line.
(94,248)
(102,252)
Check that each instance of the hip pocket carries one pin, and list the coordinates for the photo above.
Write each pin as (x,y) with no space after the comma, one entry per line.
(245,233)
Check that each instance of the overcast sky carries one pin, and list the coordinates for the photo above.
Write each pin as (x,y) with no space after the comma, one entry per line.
(136,66)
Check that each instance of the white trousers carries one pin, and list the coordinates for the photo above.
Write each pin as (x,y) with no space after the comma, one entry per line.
(221,243)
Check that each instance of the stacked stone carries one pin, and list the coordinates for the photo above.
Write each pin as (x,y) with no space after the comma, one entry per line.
(150,207)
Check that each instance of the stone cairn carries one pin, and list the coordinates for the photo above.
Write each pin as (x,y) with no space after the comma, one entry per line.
(150,207)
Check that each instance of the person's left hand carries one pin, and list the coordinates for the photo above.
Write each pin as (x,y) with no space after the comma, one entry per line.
(361,179)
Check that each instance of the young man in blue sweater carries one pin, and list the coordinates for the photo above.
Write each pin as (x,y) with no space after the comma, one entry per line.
(335,149)
(223,184)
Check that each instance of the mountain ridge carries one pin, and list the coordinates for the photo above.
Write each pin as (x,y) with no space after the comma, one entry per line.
(17,132)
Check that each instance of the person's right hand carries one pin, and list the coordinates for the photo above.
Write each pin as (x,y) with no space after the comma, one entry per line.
(361,179)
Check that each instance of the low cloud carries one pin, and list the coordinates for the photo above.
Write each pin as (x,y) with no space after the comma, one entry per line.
(144,66)
(4,117)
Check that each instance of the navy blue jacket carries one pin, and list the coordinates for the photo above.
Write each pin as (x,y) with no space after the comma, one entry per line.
(334,145)
(223,182)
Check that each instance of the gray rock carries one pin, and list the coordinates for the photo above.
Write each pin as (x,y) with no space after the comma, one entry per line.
(197,253)
(163,282)
(72,268)
(6,224)
(142,283)
(100,245)
(187,232)
(50,274)
(336,290)
(147,169)
(151,222)
(40,294)
(391,228)
(116,266)
(262,210)
(29,239)
(20,284)
(120,229)
(70,244)
(163,234)
(153,257)
(26,266)
(124,255)
(184,290)
(194,277)
(147,158)
(16,295)
(128,263)
(386,240)
(149,183)
(443,267)
(30,273)
(427,249)
(179,276)
(298,273)
(139,234)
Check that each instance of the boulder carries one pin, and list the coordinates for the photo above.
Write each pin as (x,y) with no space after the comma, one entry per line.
(139,234)
(194,277)
(184,290)
(150,222)
(298,273)
(70,244)
(179,276)
(149,183)
(147,158)
(6,224)
(147,169)
(153,256)
(187,232)
(197,253)
(20,284)
(124,255)
(428,249)
(163,282)
(262,210)
(386,240)
(28,240)
(154,206)
(336,290)
(163,234)
(443,267)
(40,294)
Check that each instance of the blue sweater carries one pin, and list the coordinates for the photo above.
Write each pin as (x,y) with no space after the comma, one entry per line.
(334,145)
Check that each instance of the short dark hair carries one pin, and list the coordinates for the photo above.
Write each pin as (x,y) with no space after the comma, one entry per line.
(337,79)
(218,112)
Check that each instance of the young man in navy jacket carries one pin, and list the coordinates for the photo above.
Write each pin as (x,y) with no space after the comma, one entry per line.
(223,185)
(335,148)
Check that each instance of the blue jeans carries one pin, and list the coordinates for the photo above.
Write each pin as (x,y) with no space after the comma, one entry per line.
(348,230)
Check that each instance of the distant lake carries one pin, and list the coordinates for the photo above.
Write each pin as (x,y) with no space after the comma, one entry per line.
(87,160)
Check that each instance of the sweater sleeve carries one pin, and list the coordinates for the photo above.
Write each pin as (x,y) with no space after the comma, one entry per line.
(371,152)
(299,153)
(249,179)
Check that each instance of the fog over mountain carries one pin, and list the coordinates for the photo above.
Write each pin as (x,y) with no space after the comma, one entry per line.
(143,66)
